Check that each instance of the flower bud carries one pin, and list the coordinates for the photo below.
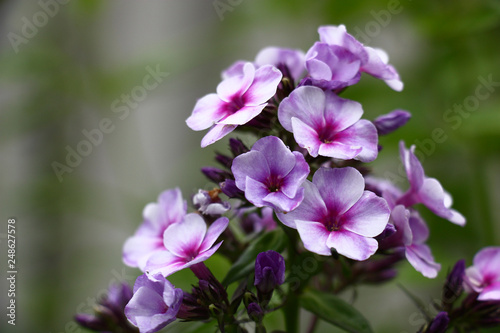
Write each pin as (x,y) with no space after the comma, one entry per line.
(215,174)
(255,312)
(439,324)
(390,122)
(453,286)
(230,189)
(269,271)
(237,147)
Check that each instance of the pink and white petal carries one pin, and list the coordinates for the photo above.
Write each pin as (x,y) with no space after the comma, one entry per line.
(473,279)
(340,188)
(207,111)
(352,245)
(432,195)
(293,59)
(306,136)
(278,156)
(341,113)
(236,85)
(284,203)
(202,256)
(339,150)
(362,134)
(152,225)
(234,70)
(243,115)
(377,66)
(490,292)
(264,85)
(306,103)
(314,236)
(138,248)
(184,239)
(420,257)
(347,66)
(312,207)
(216,133)
(368,217)
(294,179)
(252,164)
(255,192)
(164,263)
(172,206)
(213,232)
(487,261)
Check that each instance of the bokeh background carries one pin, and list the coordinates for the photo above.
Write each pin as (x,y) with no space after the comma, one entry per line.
(68,73)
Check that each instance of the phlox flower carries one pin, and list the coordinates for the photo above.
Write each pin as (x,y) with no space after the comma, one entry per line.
(411,233)
(239,98)
(155,303)
(148,239)
(338,60)
(337,213)
(328,125)
(427,191)
(483,276)
(271,175)
(186,244)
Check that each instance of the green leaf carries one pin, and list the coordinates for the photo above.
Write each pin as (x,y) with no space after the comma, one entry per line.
(273,240)
(335,311)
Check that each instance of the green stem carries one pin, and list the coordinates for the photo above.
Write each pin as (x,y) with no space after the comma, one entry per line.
(291,307)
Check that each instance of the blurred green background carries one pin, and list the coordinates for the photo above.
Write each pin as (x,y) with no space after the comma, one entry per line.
(68,72)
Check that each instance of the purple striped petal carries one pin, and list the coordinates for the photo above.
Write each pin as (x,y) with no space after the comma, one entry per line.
(184,239)
(367,217)
(213,232)
(352,245)
(253,165)
(216,133)
(207,111)
(314,236)
(264,85)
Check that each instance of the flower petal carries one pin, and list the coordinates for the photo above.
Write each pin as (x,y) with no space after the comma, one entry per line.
(283,202)
(184,239)
(306,103)
(294,179)
(243,115)
(236,85)
(207,111)
(165,263)
(314,236)
(255,192)
(173,207)
(420,257)
(340,188)
(312,207)
(487,261)
(306,136)
(264,85)
(362,134)
(490,292)
(279,158)
(367,217)
(216,133)
(352,245)
(340,112)
(339,150)
(138,249)
(213,232)
(252,164)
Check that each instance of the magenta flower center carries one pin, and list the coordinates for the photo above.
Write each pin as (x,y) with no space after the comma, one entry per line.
(237,102)
(274,183)
(332,222)
(326,134)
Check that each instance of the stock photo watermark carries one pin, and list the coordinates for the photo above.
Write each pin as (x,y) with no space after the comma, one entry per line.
(31,26)
(223,6)
(453,117)
(11,271)
(122,108)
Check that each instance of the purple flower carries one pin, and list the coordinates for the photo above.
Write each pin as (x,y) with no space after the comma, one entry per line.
(484,276)
(186,244)
(412,232)
(328,125)
(155,303)
(339,59)
(427,191)
(209,203)
(269,271)
(239,99)
(271,175)
(337,213)
(390,122)
(148,239)
(291,60)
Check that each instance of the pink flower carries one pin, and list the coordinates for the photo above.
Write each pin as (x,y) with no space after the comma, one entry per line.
(148,239)
(427,191)
(239,98)
(328,125)
(186,244)
(337,213)
(484,276)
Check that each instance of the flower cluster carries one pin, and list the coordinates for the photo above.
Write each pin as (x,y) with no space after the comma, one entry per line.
(301,192)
